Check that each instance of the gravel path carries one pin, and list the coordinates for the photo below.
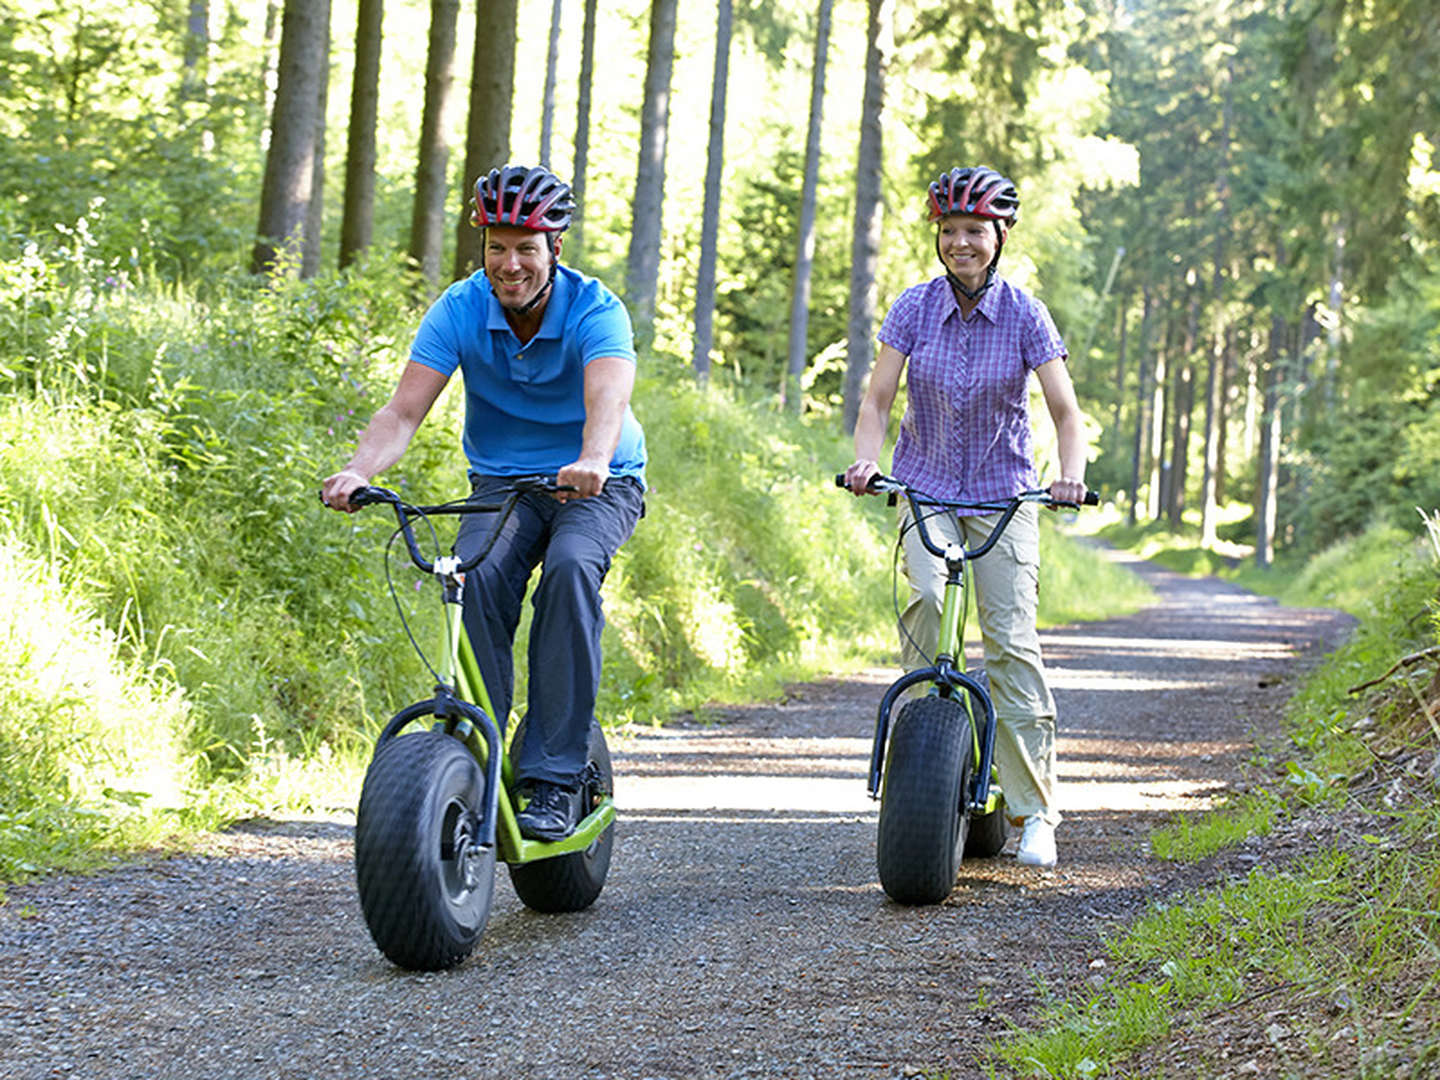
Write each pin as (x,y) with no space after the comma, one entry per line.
(742,933)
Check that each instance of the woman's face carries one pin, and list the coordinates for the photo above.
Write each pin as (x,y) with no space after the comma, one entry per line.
(967,247)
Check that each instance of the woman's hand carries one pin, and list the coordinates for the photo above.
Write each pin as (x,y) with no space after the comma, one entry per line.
(858,475)
(1069,490)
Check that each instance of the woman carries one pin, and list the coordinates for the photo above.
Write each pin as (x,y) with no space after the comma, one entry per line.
(971,340)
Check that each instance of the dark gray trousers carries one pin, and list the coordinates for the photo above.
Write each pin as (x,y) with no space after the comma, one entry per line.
(574,543)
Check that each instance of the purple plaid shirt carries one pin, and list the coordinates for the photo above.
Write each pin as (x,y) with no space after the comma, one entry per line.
(966,429)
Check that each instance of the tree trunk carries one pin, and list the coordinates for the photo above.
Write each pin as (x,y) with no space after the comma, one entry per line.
(269,63)
(1184,407)
(1137,455)
(1214,414)
(1268,467)
(487,132)
(432,181)
(290,163)
(582,130)
(1123,335)
(357,224)
(197,46)
(547,104)
(1153,500)
(1222,428)
(865,244)
(710,216)
(805,236)
(1213,387)
(642,274)
(315,212)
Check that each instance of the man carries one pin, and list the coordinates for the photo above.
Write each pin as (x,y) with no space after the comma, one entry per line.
(548,361)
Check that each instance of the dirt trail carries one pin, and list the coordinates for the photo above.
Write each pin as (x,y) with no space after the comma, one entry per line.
(742,933)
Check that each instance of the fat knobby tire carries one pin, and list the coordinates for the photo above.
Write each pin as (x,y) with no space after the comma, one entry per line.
(985,837)
(922,806)
(421,804)
(572,882)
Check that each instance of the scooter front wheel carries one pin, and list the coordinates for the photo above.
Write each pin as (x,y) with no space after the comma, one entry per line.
(923,813)
(425,882)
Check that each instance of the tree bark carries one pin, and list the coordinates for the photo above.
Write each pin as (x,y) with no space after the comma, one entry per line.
(1184,407)
(582,130)
(547,104)
(710,216)
(197,46)
(797,352)
(643,260)
(432,182)
(315,212)
(865,243)
(1268,462)
(290,163)
(1137,455)
(1157,422)
(357,223)
(487,132)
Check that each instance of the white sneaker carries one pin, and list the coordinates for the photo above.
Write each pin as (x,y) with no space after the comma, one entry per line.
(1037,843)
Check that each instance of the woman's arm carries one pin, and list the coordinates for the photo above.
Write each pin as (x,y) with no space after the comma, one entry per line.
(874,417)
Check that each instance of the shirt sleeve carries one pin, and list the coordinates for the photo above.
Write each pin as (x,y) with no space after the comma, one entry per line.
(605,331)
(436,344)
(898,329)
(1041,341)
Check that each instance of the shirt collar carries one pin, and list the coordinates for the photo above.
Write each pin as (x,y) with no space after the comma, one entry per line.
(989,300)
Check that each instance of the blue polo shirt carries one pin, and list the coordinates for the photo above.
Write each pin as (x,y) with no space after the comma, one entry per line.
(525,404)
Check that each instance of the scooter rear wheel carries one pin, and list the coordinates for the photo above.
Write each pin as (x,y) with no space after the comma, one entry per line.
(425,883)
(923,816)
(572,882)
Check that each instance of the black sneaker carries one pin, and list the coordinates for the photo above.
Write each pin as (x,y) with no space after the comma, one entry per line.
(551,813)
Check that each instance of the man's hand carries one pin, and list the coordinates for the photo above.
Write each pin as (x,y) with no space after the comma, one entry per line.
(587,476)
(335,492)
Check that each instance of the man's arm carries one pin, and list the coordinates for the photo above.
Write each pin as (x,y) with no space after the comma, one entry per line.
(609,381)
(388,434)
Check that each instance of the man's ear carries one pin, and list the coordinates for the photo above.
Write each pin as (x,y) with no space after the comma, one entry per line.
(556,240)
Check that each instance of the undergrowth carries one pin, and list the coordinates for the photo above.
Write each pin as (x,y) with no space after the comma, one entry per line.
(1329,963)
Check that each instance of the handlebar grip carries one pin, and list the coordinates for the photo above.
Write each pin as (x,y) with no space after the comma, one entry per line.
(872,485)
(368,496)
(1092,498)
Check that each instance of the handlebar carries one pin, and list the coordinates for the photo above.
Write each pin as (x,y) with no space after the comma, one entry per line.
(405,512)
(882,484)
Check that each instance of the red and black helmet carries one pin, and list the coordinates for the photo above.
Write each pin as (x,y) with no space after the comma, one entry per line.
(526,197)
(980,191)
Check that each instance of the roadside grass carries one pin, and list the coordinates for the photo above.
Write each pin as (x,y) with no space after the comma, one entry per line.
(1328,964)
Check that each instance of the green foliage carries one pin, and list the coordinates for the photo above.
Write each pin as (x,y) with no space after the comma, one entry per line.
(94,107)
(734,568)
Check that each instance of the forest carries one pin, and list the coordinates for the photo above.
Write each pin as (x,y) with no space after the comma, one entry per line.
(222,221)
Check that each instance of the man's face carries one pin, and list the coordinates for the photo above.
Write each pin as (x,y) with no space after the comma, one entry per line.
(517,262)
